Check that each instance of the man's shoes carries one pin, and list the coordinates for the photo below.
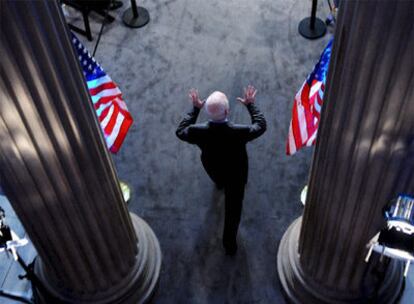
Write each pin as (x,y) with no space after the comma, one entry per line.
(231,250)
(115,5)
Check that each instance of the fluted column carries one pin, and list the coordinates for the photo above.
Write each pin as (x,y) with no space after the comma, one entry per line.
(364,157)
(57,173)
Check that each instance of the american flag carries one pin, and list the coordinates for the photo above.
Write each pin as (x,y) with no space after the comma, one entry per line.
(110,108)
(307,106)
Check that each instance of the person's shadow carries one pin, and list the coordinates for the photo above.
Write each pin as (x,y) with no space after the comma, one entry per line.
(216,277)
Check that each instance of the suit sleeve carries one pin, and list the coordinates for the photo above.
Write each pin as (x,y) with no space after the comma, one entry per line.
(184,128)
(258,126)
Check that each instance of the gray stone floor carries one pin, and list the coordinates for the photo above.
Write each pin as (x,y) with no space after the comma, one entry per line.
(211,45)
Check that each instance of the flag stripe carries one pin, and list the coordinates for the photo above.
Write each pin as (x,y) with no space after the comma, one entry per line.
(295,127)
(104,86)
(112,121)
(100,110)
(302,127)
(110,93)
(306,121)
(115,130)
(99,81)
(107,117)
(291,149)
(127,123)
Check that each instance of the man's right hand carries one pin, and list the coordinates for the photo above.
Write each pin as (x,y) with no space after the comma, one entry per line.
(195,99)
(249,95)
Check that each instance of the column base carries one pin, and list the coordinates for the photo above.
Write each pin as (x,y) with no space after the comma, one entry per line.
(138,287)
(316,32)
(140,20)
(298,288)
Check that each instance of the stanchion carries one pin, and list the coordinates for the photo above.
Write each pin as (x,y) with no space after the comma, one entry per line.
(312,27)
(136,16)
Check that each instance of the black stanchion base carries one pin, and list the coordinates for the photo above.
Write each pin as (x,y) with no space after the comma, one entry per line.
(131,21)
(306,31)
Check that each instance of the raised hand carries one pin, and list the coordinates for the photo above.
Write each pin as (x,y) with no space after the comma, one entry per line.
(249,95)
(195,99)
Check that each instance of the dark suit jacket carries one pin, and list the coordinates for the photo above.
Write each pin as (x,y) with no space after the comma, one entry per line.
(223,145)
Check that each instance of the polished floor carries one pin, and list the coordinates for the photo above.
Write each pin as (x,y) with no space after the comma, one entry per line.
(210,45)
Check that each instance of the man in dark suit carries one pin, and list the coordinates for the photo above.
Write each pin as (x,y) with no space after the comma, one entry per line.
(223,151)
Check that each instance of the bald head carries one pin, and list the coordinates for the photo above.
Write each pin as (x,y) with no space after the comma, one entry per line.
(217,106)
